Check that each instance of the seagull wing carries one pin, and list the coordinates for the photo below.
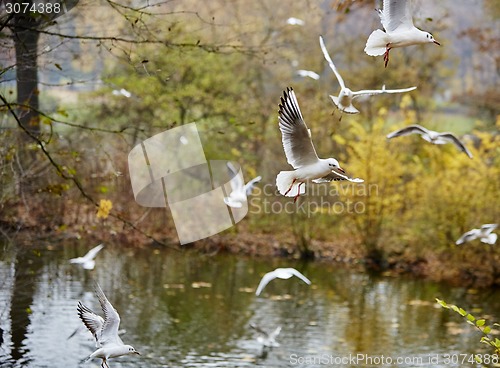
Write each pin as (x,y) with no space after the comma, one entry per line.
(335,176)
(381,91)
(488,228)
(91,320)
(451,138)
(93,252)
(249,186)
(259,330)
(109,331)
(297,143)
(396,15)
(264,281)
(468,236)
(308,73)
(275,333)
(410,129)
(236,180)
(296,273)
(330,62)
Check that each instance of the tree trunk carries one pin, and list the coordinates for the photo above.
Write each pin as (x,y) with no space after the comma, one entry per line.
(26,39)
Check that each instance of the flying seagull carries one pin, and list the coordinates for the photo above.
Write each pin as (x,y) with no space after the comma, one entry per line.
(484,234)
(104,330)
(87,261)
(344,100)
(300,152)
(295,21)
(431,136)
(308,73)
(240,190)
(399,30)
(267,339)
(280,273)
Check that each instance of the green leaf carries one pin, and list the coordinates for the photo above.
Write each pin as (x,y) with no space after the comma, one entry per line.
(462,312)
(480,322)
(478,359)
(487,330)
(470,317)
(442,303)
(485,340)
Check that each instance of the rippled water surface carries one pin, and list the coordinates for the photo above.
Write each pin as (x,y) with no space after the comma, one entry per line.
(191,310)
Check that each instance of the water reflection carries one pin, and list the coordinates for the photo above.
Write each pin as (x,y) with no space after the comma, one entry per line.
(187,310)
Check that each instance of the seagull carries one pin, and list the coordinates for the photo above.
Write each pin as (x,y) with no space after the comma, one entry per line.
(431,136)
(240,190)
(267,339)
(300,152)
(399,30)
(87,261)
(295,21)
(122,92)
(484,234)
(280,273)
(345,97)
(308,73)
(104,330)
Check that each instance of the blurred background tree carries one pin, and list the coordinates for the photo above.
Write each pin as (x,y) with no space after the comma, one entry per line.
(112,74)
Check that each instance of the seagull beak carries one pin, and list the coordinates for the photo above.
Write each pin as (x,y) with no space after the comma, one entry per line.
(437,43)
(341,170)
(137,352)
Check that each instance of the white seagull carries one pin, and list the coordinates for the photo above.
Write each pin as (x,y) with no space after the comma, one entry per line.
(484,234)
(300,152)
(267,339)
(345,97)
(87,261)
(399,30)
(295,21)
(104,330)
(431,136)
(240,190)
(280,273)
(308,73)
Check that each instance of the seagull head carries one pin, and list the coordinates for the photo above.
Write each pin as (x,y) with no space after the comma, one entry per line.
(429,38)
(334,165)
(131,350)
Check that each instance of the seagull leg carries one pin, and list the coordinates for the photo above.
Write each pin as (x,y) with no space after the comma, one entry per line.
(386,54)
(291,186)
(298,193)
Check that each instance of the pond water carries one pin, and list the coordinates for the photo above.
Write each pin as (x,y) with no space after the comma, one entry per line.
(183,309)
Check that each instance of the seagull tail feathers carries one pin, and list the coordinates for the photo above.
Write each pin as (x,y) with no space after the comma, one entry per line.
(491,239)
(286,186)
(376,43)
(349,109)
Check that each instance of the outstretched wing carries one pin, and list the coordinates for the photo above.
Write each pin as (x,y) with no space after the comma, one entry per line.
(259,330)
(91,320)
(396,14)
(93,252)
(330,62)
(236,181)
(296,273)
(109,331)
(488,228)
(410,129)
(372,92)
(249,186)
(264,281)
(297,143)
(451,138)
(468,236)
(335,176)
